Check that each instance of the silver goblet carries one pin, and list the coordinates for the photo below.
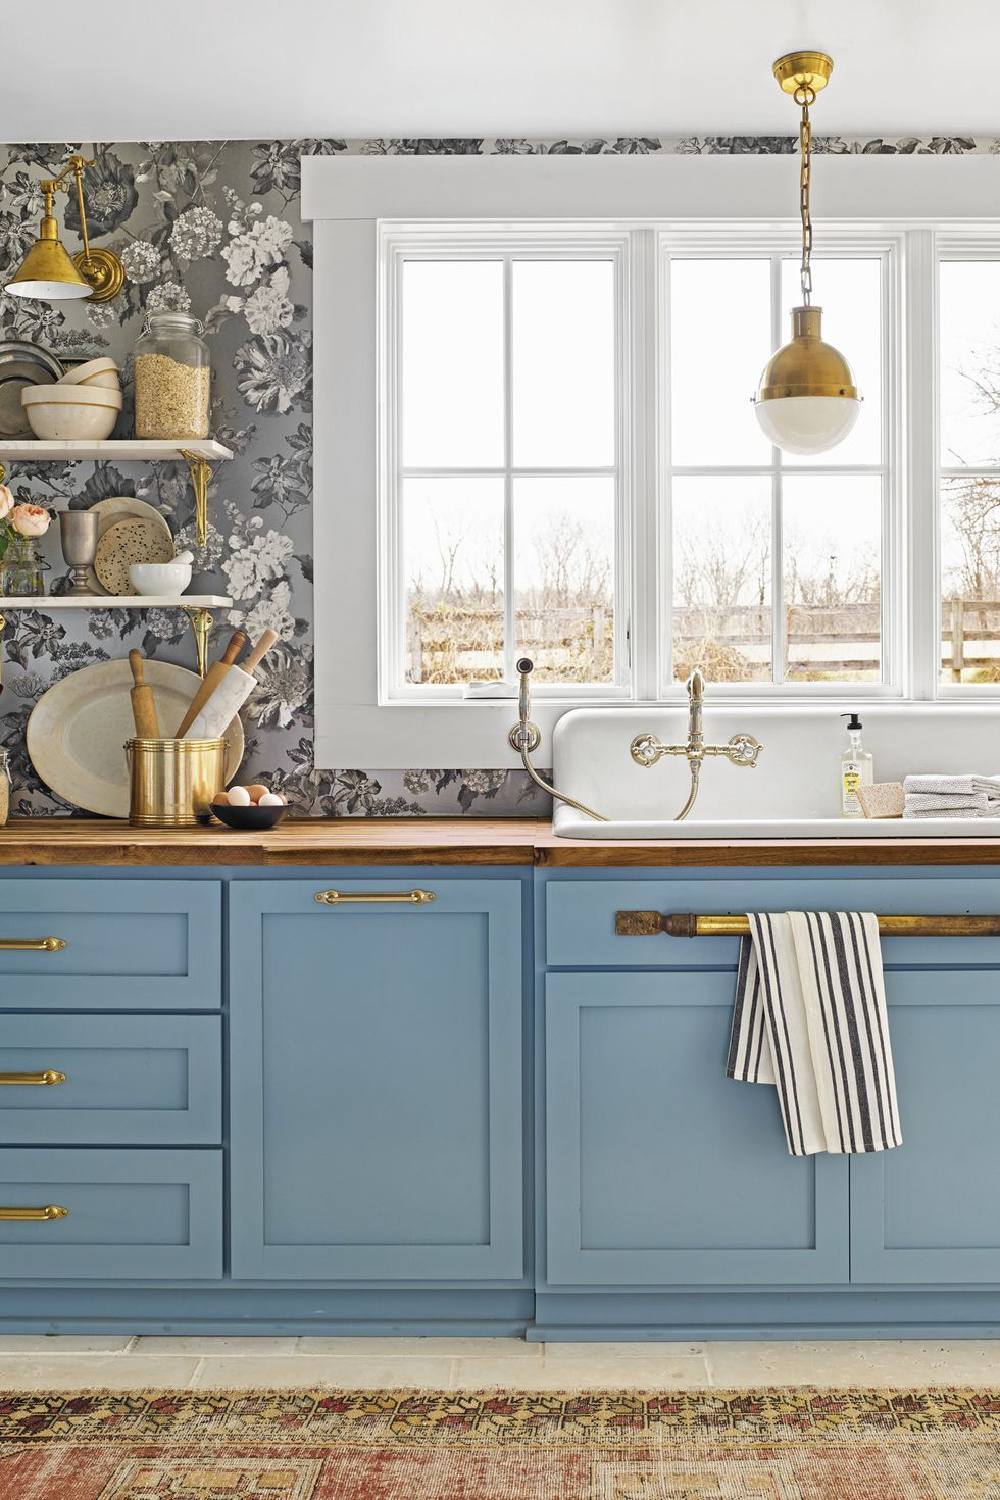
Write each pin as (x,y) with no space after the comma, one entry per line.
(78,538)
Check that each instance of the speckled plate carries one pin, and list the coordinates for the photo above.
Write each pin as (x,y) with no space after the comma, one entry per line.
(78,728)
(125,543)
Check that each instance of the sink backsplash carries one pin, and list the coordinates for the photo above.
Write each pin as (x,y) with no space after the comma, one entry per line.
(214,226)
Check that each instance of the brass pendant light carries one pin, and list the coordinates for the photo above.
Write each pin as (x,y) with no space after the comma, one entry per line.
(48,272)
(807,400)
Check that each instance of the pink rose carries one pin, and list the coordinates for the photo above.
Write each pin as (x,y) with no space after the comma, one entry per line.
(29,520)
(6,501)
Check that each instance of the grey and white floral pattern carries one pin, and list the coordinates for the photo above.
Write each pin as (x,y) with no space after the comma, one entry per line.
(214,227)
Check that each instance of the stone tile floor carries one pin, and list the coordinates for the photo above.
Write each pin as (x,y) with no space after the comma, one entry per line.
(41,1362)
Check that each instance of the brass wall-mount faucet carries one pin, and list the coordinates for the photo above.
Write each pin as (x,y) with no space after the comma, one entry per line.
(742,749)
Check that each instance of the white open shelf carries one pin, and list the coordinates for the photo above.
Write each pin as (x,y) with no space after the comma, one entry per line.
(137,449)
(45,602)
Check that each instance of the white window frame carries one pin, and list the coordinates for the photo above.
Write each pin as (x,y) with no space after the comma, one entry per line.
(777,242)
(923,200)
(400,243)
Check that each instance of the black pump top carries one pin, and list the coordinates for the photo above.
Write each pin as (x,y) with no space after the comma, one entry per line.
(854,721)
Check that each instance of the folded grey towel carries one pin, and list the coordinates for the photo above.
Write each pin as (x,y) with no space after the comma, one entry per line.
(934,802)
(930,816)
(951,786)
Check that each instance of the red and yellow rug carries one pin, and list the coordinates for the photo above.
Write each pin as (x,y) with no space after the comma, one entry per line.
(421,1445)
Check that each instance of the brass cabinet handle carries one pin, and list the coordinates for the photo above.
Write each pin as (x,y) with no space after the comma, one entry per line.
(34,1080)
(35,1215)
(31,945)
(340,898)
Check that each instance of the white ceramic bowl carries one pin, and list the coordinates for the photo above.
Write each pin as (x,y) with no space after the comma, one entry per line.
(169,578)
(102,373)
(71,413)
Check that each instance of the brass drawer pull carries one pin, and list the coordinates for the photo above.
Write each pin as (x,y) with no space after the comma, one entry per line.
(34,1080)
(341,898)
(31,945)
(688,924)
(34,1215)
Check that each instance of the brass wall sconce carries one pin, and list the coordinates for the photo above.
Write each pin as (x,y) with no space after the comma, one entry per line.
(48,272)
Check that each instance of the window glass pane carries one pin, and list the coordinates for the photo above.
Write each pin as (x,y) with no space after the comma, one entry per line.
(452,364)
(722,578)
(564,570)
(452,549)
(832,533)
(564,363)
(720,340)
(850,294)
(970,580)
(970,362)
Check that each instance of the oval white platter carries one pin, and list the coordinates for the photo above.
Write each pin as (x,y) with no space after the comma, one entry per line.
(77,731)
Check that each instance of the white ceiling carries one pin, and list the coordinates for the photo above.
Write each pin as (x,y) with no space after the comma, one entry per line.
(228,69)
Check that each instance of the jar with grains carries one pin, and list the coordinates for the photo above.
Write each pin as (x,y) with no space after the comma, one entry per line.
(172,374)
(4,787)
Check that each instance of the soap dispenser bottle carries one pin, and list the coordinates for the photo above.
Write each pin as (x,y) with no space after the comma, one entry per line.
(855,769)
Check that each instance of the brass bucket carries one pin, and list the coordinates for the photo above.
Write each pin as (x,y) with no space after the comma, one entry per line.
(172,782)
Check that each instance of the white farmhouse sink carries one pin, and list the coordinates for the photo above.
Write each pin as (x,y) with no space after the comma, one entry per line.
(792,792)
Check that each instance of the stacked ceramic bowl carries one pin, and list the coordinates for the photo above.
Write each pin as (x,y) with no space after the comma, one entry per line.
(81,407)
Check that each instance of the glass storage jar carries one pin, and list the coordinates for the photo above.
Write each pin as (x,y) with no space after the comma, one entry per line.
(172,374)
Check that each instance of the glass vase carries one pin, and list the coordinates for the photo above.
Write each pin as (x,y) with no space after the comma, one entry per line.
(22,573)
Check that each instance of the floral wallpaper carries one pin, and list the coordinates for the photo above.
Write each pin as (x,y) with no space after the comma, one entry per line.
(213,227)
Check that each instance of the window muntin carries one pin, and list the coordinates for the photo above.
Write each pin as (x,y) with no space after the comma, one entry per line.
(505,533)
(969,479)
(818,524)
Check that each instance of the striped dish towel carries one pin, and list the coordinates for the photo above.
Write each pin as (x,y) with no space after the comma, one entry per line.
(811,1019)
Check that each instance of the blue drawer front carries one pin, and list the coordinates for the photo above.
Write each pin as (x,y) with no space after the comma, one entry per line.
(132,1215)
(129,1080)
(929,1211)
(376,1083)
(660,1170)
(580,915)
(130,945)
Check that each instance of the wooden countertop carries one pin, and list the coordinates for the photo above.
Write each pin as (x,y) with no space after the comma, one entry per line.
(445,841)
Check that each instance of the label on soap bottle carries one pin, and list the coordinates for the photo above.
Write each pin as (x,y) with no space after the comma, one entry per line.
(850,771)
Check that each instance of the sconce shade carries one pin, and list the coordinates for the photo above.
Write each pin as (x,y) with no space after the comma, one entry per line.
(807,400)
(47,272)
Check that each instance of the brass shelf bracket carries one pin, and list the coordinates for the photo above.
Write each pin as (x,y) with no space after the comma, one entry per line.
(201,472)
(201,625)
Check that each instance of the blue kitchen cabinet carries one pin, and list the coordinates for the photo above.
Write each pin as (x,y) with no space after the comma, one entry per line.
(130,945)
(377,1081)
(929,1211)
(659,1169)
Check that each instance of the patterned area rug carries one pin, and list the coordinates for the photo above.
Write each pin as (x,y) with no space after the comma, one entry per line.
(422,1445)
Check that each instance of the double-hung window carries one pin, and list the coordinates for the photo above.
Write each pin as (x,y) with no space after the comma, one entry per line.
(535,437)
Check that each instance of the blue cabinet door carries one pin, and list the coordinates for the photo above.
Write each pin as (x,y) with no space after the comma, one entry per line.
(376,1082)
(929,1210)
(660,1170)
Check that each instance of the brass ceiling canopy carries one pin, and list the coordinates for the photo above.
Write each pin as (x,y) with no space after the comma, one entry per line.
(807,400)
(47,271)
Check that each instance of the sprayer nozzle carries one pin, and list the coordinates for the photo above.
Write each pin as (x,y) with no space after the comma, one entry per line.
(525,665)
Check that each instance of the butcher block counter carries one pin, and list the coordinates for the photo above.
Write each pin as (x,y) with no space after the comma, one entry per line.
(445,841)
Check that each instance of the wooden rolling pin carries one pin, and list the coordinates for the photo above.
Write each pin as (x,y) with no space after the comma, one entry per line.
(147,726)
(216,715)
(211,680)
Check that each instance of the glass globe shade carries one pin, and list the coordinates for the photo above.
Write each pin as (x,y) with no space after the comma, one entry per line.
(807,401)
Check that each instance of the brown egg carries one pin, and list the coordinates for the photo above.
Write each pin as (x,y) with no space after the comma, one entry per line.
(256,791)
(221,799)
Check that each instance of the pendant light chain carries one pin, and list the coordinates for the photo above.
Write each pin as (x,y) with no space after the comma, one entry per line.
(805,96)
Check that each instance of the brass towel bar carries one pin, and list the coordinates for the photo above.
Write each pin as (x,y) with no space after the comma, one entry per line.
(34,1080)
(31,945)
(34,1215)
(687,924)
(380,898)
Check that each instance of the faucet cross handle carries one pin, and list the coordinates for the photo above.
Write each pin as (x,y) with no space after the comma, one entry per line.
(743,750)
